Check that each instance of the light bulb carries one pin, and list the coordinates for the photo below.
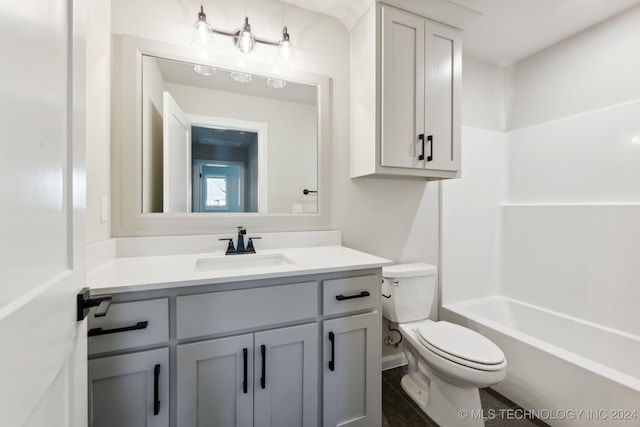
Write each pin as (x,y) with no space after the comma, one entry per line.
(244,39)
(285,50)
(202,32)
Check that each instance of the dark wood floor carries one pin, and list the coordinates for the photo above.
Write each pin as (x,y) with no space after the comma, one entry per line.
(399,410)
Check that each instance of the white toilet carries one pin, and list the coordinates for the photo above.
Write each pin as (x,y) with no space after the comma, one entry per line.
(447,362)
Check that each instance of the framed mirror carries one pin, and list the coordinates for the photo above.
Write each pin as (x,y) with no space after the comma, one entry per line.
(203,145)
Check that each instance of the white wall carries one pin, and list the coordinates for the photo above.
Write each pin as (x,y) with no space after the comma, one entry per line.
(98,119)
(569,234)
(470,206)
(483,95)
(471,218)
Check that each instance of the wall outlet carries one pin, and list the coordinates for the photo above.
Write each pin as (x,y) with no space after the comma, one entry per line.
(104,212)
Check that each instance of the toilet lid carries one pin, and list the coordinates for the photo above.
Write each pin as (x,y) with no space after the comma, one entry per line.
(461,343)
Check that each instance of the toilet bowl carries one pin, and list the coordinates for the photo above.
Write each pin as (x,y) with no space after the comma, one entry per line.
(447,363)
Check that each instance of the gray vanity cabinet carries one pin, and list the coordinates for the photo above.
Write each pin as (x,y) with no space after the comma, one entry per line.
(241,354)
(130,390)
(351,352)
(268,378)
(351,371)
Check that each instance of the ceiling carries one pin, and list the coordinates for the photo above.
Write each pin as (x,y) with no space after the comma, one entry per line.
(510,30)
(506,30)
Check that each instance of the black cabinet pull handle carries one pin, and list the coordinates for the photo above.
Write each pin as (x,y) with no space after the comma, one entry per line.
(360,295)
(430,140)
(245,355)
(263,378)
(332,364)
(99,331)
(156,391)
(421,139)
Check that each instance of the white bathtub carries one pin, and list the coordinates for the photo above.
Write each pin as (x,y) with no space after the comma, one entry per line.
(567,371)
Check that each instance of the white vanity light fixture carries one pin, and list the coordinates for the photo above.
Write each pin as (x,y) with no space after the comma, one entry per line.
(243,39)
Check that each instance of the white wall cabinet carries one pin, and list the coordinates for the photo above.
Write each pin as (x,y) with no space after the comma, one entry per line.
(351,371)
(405,96)
(269,378)
(130,390)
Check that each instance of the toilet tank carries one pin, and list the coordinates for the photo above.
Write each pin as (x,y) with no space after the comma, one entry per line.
(408,291)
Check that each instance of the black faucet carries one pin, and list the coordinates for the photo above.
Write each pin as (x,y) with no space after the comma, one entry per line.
(241,233)
(241,249)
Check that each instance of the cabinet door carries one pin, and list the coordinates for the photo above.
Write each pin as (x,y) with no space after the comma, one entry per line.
(351,371)
(442,100)
(286,377)
(215,383)
(130,390)
(403,80)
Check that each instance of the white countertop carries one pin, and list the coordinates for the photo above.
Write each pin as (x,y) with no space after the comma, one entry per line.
(170,271)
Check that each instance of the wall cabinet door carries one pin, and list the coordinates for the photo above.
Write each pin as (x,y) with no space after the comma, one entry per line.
(351,371)
(215,383)
(130,390)
(420,95)
(443,55)
(286,377)
(403,79)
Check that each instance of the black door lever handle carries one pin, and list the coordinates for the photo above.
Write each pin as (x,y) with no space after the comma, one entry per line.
(84,302)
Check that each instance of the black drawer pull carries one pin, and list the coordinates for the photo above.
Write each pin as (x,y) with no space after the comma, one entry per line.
(421,139)
(430,140)
(263,378)
(360,295)
(99,331)
(156,391)
(332,363)
(245,357)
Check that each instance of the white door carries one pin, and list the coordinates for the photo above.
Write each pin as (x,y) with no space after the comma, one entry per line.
(176,157)
(43,361)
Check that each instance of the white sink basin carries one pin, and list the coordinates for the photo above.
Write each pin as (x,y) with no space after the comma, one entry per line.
(241,262)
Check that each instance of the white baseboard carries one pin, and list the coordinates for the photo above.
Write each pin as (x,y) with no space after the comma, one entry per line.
(393,361)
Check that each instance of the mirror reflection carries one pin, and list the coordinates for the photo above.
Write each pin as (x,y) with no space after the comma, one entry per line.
(216,140)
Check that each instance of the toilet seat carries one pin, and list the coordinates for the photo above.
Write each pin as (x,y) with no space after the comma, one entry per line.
(461,345)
